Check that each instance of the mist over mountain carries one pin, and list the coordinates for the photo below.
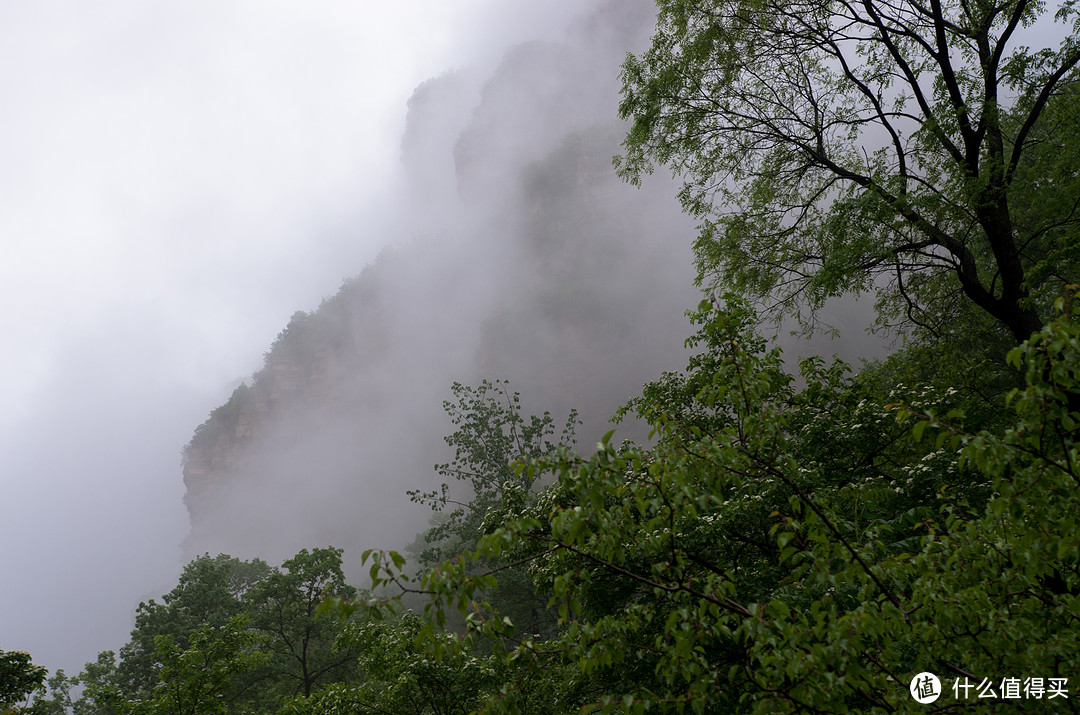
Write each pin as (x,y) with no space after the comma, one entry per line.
(475,243)
(180,180)
(524,258)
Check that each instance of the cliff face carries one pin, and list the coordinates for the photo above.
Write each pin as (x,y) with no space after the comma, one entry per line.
(530,261)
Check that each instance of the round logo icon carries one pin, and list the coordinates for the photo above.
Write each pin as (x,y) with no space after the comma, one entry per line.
(925,688)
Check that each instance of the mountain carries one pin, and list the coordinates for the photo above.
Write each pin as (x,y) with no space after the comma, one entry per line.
(520,255)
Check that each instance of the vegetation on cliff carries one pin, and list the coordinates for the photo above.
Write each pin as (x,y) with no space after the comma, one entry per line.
(900,538)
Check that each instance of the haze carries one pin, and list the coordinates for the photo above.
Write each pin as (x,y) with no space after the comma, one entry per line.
(175,180)
(178,179)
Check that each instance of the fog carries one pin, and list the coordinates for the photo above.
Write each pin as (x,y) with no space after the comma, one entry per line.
(519,255)
(178,180)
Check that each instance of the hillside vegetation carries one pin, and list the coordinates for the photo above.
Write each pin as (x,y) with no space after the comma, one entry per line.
(895,537)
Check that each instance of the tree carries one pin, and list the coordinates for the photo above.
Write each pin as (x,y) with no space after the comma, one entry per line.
(196,678)
(102,693)
(778,551)
(398,676)
(233,636)
(209,592)
(56,698)
(843,145)
(19,678)
(283,607)
(491,436)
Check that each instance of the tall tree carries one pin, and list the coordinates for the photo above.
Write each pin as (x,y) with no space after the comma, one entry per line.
(209,593)
(492,436)
(196,678)
(283,607)
(838,145)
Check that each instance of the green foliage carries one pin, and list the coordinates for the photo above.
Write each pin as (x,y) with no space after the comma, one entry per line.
(223,420)
(233,636)
(490,443)
(283,607)
(1047,180)
(102,691)
(210,592)
(782,544)
(195,679)
(793,551)
(19,678)
(834,147)
(55,699)
(400,676)
(491,436)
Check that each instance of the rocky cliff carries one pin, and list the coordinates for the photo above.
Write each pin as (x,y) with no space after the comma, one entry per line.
(527,259)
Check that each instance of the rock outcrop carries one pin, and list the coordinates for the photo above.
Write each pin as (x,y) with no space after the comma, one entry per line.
(547,270)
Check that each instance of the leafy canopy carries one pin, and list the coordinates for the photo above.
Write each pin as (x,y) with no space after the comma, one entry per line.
(746,562)
(492,434)
(232,637)
(832,146)
(19,678)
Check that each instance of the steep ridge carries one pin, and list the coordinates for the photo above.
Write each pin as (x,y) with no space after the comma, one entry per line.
(527,259)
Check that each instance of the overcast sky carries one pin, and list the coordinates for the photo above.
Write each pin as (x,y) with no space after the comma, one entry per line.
(177,177)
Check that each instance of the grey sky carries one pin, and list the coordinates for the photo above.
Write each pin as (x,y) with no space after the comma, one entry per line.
(176,178)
